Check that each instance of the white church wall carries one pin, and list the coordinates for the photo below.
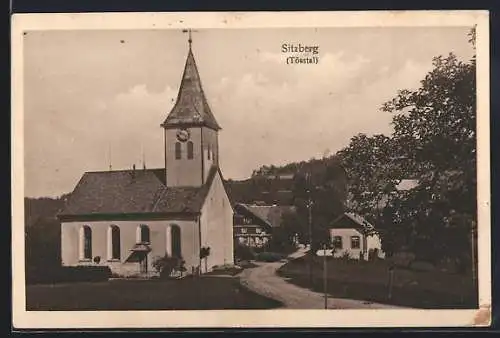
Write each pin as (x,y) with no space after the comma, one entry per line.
(217,226)
(70,243)
(210,145)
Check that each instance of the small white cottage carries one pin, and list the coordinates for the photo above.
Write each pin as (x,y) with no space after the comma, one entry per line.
(352,234)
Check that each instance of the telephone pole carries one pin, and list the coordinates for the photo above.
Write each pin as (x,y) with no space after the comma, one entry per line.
(309,208)
(325,277)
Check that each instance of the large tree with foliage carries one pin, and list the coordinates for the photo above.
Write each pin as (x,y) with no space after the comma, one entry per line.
(434,139)
(435,128)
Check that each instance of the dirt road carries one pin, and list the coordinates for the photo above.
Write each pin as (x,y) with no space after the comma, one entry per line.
(264,280)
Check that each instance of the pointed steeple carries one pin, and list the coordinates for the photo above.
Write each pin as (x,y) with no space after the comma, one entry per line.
(191,107)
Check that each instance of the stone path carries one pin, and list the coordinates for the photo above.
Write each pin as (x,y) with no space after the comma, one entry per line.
(264,280)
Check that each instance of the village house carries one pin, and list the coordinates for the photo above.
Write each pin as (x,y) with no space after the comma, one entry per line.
(351,234)
(124,219)
(254,223)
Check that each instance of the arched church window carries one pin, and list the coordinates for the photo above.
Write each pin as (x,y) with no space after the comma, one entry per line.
(115,245)
(190,150)
(176,241)
(144,234)
(86,242)
(178,151)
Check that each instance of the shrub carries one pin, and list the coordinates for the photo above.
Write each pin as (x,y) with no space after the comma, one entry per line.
(243,252)
(346,256)
(67,274)
(361,256)
(422,266)
(227,269)
(269,257)
(166,265)
(204,253)
(403,259)
(373,254)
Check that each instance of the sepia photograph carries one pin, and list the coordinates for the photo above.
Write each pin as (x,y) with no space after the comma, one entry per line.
(255,164)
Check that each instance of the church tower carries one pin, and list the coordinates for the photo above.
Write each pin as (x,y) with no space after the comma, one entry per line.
(191,132)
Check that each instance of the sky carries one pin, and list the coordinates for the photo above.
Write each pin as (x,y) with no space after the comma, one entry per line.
(92,98)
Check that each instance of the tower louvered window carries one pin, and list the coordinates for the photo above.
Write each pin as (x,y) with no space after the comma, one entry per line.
(178,150)
(190,150)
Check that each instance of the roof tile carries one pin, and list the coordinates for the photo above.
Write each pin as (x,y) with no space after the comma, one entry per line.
(133,191)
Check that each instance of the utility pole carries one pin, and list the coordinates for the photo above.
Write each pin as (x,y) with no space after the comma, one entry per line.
(309,207)
(325,277)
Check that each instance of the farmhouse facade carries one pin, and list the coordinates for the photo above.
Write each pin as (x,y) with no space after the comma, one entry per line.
(126,218)
(254,224)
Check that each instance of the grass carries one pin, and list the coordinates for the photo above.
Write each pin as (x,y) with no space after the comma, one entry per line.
(369,281)
(202,293)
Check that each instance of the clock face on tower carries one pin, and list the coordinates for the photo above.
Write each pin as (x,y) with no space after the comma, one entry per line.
(183,135)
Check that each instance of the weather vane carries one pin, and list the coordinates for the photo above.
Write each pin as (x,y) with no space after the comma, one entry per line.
(190,38)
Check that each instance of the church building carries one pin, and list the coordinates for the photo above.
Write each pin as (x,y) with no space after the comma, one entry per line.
(126,218)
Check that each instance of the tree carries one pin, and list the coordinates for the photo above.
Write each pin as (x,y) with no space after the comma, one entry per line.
(434,139)
(373,172)
(204,253)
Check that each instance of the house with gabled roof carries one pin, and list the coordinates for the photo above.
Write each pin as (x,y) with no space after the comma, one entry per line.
(254,223)
(353,235)
(124,219)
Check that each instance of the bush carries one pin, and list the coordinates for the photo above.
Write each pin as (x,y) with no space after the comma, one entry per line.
(361,256)
(269,257)
(166,265)
(243,252)
(346,256)
(67,274)
(373,254)
(422,266)
(402,259)
(227,269)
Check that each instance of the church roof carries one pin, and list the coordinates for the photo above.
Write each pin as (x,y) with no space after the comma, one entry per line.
(139,191)
(191,107)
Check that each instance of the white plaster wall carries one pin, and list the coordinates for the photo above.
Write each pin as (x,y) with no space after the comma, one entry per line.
(217,226)
(128,238)
(371,242)
(346,242)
